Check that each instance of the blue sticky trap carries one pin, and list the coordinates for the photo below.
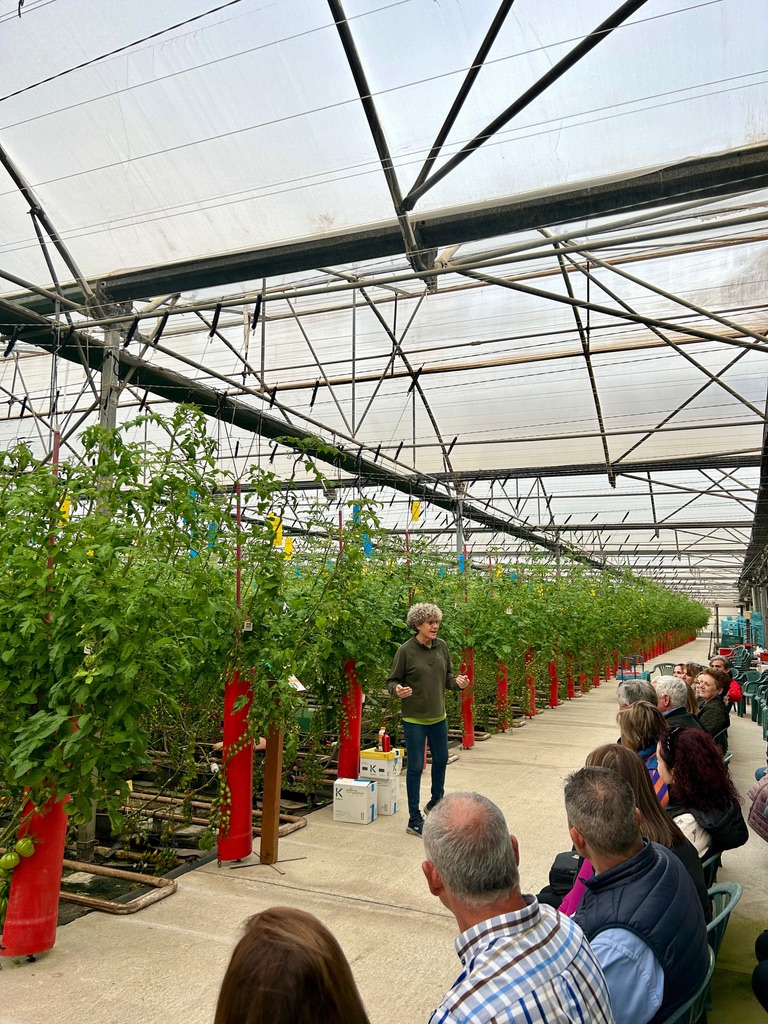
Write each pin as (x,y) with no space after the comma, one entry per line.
(367,545)
(513,575)
(355,513)
(192,553)
(462,562)
(441,571)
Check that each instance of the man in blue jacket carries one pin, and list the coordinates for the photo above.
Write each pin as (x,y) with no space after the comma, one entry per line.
(640,911)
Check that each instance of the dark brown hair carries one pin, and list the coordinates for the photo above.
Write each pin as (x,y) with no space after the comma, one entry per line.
(700,777)
(288,969)
(655,823)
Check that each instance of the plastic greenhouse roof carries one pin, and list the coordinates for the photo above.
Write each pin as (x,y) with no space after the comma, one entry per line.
(557,337)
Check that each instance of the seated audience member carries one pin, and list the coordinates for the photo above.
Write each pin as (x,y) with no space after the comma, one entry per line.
(288,969)
(641,725)
(712,686)
(640,911)
(633,690)
(702,799)
(735,692)
(672,702)
(688,671)
(521,962)
(655,824)
(724,664)
(758,797)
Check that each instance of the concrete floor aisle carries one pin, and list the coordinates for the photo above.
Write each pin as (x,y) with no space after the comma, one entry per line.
(165,964)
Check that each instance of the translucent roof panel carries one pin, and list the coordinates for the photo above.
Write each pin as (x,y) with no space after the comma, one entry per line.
(557,343)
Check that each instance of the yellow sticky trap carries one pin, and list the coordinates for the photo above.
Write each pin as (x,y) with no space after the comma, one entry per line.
(415,510)
(66,505)
(277,527)
(288,547)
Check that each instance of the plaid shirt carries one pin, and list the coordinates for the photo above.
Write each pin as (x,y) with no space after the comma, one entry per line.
(533,966)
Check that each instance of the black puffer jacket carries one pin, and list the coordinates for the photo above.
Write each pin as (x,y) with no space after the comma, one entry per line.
(727,828)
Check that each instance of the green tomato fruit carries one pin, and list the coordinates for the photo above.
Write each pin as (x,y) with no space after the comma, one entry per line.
(25,847)
(9,860)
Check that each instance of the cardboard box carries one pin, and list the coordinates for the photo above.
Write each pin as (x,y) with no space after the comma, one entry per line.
(354,800)
(387,795)
(378,764)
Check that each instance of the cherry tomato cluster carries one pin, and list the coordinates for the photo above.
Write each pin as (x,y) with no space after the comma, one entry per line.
(8,861)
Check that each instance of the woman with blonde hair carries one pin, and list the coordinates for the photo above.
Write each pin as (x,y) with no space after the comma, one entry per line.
(640,726)
(288,969)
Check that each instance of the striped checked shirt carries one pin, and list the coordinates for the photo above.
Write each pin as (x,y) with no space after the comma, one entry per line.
(532,966)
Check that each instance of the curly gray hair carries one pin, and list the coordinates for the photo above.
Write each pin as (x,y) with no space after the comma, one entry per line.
(420,613)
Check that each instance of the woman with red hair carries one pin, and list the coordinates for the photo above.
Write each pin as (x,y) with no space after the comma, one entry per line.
(702,799)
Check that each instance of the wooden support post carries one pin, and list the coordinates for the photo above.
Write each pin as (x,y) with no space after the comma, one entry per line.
(270,808)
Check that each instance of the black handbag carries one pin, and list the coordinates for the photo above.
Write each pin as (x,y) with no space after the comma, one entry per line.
(562,876)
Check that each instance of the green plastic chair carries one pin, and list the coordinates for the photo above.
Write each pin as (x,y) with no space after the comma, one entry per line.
(693,1011)
(664,668)
(724,896)
(749,691)
(710,867)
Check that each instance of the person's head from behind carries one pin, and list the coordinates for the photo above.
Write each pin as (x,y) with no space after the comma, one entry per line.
(671,692)
(288,969)
(692,765)
(603,818)
(654,822)
(632,690)
(640,725)
(471,858)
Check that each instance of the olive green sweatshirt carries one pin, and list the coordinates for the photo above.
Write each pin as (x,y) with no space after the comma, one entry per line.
(427,670)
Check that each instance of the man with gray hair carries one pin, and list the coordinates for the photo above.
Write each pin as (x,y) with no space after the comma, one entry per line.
(633,690)
(672,702)
(521,963)
(640,910)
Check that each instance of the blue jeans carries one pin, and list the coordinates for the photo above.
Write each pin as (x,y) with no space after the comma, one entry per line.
(415,738)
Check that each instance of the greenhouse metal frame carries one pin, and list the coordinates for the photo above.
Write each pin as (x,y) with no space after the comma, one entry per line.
(549,343)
